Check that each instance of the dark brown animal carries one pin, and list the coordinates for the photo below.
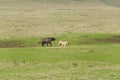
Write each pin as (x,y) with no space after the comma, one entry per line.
(47,41)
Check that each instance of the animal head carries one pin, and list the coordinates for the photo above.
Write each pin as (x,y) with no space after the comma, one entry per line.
(53,39)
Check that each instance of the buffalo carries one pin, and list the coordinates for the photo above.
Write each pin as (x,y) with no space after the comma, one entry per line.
(47,41)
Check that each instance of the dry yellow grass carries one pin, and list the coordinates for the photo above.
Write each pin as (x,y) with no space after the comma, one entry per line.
(47,19)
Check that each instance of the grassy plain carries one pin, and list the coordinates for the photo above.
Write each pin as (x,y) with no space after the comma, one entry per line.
(83,62)
(91,27)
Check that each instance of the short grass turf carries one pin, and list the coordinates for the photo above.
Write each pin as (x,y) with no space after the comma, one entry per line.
(83,62)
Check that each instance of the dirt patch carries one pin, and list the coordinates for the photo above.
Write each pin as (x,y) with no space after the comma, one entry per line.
(92,40)
(10,44)
(17,44)
(114,39)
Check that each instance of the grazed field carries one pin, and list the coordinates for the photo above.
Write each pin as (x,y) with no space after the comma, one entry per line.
(91,26)
(85,62)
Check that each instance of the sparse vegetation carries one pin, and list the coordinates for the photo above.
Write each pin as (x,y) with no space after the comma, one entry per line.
(38,18)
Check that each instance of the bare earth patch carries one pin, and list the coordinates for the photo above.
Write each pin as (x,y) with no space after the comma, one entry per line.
(114,39)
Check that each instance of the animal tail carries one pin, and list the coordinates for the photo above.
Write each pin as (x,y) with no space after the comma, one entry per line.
(39,42)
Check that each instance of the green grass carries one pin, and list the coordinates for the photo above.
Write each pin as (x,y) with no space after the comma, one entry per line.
(58,54)
(72,38)
(87,57)
(88,62)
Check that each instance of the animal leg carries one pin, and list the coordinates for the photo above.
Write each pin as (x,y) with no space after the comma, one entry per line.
(47,44)
(50,44)
(64,45)
(42,44)
(58,44)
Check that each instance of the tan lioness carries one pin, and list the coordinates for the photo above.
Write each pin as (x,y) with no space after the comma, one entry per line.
(63,43)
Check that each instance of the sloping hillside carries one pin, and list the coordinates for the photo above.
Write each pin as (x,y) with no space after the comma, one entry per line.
(110,2)
(35,18)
